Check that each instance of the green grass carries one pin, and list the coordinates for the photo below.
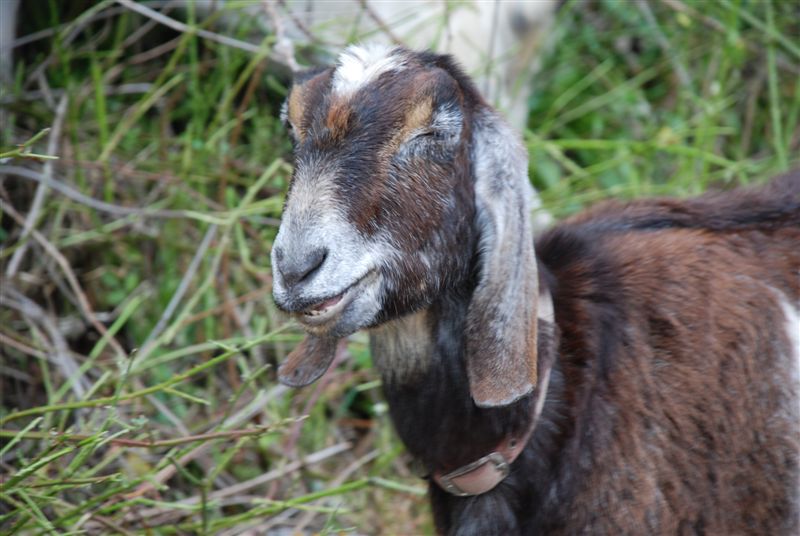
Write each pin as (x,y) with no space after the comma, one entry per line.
(139,339)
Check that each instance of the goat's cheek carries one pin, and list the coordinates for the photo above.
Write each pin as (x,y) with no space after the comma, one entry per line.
(418,212)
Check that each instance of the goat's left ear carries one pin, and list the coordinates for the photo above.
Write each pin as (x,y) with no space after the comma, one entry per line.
(501,320)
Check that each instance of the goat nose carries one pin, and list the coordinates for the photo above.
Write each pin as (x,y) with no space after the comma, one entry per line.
(296,268)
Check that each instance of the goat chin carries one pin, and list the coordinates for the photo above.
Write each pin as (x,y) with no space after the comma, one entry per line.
(652,347)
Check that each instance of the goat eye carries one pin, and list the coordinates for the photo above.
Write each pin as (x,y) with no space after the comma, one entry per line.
(292,132)
(427,134)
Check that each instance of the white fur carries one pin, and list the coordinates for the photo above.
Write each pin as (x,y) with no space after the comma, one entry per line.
(402,348)
(313,220)
(792,315)
(544,310)
(360,65)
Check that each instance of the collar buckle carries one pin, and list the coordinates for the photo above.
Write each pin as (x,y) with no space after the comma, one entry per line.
(499,469)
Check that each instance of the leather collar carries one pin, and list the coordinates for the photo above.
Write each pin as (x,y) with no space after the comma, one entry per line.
(488,471)
(485,473)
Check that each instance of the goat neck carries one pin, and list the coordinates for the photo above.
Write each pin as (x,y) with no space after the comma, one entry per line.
(421,360)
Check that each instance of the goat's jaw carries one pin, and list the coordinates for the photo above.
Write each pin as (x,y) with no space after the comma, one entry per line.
(336,313)
(341,294)
(345,312)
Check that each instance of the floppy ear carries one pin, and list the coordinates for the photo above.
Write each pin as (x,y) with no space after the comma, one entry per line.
(308,361)
(501,321)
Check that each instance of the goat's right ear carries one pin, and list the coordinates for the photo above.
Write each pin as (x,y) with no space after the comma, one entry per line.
(501,354)
(308,361)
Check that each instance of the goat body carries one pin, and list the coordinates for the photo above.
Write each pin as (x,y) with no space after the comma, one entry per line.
(673,404)
(669,330)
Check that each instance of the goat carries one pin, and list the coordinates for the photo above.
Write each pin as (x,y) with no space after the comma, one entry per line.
(637,372)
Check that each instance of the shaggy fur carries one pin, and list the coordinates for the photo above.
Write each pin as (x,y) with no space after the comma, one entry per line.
(673,405)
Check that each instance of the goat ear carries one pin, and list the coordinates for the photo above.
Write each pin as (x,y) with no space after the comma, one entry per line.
(308,361)
(501,320)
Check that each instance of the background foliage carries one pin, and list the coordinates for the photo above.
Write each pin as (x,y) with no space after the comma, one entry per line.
(139,341)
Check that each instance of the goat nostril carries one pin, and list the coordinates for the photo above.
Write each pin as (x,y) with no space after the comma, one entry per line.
(296,270)
(278,254)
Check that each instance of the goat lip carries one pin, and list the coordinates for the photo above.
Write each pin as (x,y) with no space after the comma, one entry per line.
(325,305)
(323,312)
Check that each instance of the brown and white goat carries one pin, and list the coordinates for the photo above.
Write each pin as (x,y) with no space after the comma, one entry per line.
(637,375)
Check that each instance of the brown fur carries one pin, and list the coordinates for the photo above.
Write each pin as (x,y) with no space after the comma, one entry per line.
(295,108)
(691,427)
(338,121)
(673,405)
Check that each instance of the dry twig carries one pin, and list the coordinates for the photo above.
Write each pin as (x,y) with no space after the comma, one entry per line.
(83,301)
(185,28)
(41,190)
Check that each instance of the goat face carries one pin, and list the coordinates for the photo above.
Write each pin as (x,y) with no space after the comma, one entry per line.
(406,185)
(379,194)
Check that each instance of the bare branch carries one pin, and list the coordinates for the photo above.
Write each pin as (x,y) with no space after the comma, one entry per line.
(241,487)
(153,444)
(185,28)
(90,202)
(41,190)
(284,47)
(37,95)
(51,250)
(380,23)
(183,286)
(60,354)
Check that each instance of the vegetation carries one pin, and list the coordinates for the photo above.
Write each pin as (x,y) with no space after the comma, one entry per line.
(137,333)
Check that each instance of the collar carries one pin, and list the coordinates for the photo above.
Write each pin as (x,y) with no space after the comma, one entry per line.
(485,473)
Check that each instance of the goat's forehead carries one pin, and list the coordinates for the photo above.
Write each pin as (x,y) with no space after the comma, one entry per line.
(359,65)
(379,85)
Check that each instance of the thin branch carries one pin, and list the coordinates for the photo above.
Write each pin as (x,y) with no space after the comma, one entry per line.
(242,322)
(41,190)
(714,24)
(312,38)
(245,414)
(664,44)
(144,29)
(246,485)
(232,301)
(38,94)
(283,46)
(90,202)
(23,149)
(380,23)
(185,28)
(60,354)
(153,444)
(51,250)
(183,286)
(340,479)
(48,32)
(76,27)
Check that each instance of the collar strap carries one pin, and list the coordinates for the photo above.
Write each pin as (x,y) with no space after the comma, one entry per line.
(487,472)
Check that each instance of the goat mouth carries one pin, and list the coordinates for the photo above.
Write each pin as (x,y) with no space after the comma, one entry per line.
(326,310)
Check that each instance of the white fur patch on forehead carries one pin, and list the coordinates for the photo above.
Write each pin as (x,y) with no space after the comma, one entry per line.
(359,65)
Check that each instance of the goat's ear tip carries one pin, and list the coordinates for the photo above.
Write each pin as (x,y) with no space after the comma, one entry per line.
(497,397)
(308,361)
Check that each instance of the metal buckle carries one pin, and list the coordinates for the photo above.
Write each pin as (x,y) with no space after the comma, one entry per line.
(500,465)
